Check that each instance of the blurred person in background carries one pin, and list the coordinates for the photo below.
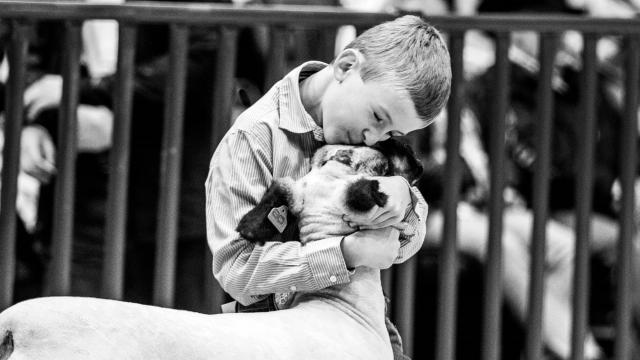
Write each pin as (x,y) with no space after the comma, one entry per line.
(38,146)
(521,124)
(473,225)
(95,121)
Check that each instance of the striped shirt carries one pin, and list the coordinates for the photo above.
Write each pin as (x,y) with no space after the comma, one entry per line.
(276,138)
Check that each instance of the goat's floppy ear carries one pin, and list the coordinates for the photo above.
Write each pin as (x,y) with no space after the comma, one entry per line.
(363,194)
(255,226)
(403,160)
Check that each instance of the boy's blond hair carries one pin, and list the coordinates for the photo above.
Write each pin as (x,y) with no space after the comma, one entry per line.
(412,55)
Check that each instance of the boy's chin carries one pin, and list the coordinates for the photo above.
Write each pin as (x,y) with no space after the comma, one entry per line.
(333,138)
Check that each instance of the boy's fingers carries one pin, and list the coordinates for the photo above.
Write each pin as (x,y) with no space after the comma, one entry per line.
(383,220)
(36,108)
(49,151)
(43,175)
(386,223)
(364,218)
(401,226)
(48,167)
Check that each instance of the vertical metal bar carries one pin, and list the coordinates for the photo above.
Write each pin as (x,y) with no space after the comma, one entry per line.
(386,276)
(584,185)
(540,196)
(17,54)
(224,82)
(222,102)
(170,168)
(64,197)
(404,309)
(276,60)
(628,156)
(492,316)
(447,274)
(115,227)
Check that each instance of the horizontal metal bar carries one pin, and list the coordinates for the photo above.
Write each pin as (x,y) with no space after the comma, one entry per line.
(199,13)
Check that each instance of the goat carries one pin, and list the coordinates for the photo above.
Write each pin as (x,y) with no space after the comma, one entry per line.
(340,322)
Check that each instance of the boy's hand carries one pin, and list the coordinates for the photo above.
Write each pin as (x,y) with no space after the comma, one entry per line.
(392,213)
(372,248)
(37,153)
(95,128)
(45,93)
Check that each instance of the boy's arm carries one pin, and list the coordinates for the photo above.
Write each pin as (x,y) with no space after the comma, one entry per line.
(412,237)
(405,205)
(239,175)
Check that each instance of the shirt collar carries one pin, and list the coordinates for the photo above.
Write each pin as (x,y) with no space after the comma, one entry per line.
(293,116)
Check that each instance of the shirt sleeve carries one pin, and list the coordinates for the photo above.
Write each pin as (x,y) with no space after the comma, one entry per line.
(412,237)
(239,175)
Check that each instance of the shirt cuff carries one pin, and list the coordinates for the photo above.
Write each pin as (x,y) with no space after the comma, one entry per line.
(416,212)
(326,262)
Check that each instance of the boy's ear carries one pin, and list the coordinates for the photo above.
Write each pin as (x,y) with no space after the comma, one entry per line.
(348,60)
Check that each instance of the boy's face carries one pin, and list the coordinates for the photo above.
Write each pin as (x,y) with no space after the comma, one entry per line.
(356,112)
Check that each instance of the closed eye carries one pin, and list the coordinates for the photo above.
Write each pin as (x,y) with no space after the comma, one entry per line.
(378,118)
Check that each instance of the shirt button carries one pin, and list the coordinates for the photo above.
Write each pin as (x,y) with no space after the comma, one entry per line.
(333,278)
(293,288)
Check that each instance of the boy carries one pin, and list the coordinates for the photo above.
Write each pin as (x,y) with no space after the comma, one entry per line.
(391,80)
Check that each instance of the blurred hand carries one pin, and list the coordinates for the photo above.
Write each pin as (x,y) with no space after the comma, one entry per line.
(37,153)
(45,93)
(95,127)
(376,249)
(399,192)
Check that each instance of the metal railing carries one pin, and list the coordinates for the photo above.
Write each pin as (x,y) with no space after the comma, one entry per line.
(228,19)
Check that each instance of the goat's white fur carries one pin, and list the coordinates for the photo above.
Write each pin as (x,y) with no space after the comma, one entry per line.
(340,322)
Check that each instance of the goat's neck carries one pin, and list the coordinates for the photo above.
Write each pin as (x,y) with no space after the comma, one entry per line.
(361,297)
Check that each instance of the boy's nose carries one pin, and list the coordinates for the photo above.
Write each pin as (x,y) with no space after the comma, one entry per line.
(373,137)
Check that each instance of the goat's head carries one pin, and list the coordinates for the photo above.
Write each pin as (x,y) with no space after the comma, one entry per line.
(341,181)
